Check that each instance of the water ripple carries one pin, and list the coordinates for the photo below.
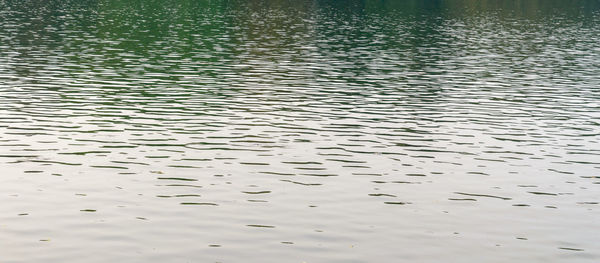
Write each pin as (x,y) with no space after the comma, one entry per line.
(154,131)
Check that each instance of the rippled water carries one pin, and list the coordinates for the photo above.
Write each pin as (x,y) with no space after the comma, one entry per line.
(299,131)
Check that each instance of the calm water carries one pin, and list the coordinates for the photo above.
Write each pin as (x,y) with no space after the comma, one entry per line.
(299,131)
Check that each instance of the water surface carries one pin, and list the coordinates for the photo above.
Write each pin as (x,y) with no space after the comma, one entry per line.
(299,131)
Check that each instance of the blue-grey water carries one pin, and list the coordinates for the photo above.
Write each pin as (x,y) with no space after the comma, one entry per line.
(299,131)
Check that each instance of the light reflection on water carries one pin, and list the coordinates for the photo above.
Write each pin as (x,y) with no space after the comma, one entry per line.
(317,131)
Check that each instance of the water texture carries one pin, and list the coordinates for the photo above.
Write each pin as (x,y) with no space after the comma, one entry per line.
(299,131)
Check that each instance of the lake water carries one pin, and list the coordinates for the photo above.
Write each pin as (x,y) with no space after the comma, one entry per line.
(299,131)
